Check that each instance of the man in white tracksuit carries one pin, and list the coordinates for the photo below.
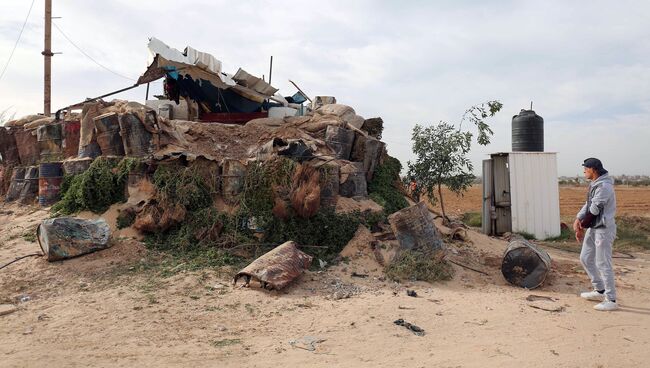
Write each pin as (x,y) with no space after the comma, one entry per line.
(597,218)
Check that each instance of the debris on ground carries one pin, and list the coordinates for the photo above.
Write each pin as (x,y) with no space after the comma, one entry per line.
(66,237)
(306,343)
(545,303)
(277,268)
(412,293)
(415,329)
(7,309)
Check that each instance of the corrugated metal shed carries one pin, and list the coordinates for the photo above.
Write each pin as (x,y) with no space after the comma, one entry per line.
(535,200)
(520,194)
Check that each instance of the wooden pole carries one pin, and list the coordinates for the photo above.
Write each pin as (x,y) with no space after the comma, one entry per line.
(270,69)
(47,54)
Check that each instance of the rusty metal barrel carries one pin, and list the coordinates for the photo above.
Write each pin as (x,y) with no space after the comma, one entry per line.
(137,141)
(16,184)
(107,127)
(340,140)
(50,139)
(76,166)
(234,173)
(49,182)
(525,265)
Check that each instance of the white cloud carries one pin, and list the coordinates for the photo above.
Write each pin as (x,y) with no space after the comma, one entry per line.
(583,63)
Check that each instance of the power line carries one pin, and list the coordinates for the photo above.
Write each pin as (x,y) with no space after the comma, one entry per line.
(88,56)
(17,40)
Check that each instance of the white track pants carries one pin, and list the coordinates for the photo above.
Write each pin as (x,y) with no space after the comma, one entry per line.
(596,258)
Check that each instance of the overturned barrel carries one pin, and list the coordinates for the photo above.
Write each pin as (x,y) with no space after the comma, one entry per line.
(67,237)
(49,182)
(525,265)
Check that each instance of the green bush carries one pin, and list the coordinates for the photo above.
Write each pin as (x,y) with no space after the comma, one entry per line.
(472,219)
(95,189)
(323,235)
(183,185)
(383,188)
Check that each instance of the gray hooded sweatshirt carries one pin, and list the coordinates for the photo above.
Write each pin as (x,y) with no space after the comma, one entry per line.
(601,202)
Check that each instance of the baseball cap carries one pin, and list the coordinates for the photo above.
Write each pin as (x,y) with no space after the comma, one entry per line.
(594,163)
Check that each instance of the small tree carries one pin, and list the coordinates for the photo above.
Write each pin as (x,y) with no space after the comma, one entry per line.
(441,152)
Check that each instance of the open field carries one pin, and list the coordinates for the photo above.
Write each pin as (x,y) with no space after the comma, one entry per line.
(631,201)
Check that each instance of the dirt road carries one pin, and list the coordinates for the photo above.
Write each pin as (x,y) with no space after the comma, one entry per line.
(117,308)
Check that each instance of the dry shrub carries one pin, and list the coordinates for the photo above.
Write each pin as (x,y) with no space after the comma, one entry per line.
(305,196)
(412,265)
(210,233)
(280,209)
(159,216)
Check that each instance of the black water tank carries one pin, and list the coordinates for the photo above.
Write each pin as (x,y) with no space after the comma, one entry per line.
(527,132)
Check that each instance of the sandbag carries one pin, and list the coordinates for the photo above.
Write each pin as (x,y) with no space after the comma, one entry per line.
(67,237)
(38,123)
(346,113)
(22,121)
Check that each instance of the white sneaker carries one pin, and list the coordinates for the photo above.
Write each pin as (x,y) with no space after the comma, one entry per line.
(593,295)
(606,305)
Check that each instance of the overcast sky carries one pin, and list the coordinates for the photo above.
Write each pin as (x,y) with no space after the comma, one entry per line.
(584,64)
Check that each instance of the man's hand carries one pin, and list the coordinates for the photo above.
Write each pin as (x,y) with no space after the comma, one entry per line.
(576,226)
(579,230)
(580,235)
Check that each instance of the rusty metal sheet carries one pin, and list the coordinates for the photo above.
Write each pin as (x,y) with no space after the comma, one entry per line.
(277,268)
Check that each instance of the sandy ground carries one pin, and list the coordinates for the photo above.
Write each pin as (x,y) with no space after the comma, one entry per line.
(629,200)
(112,308)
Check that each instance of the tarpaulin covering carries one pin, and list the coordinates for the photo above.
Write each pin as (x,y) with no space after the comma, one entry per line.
(199,73)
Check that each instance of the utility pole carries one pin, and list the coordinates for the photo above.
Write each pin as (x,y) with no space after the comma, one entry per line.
(47,54)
